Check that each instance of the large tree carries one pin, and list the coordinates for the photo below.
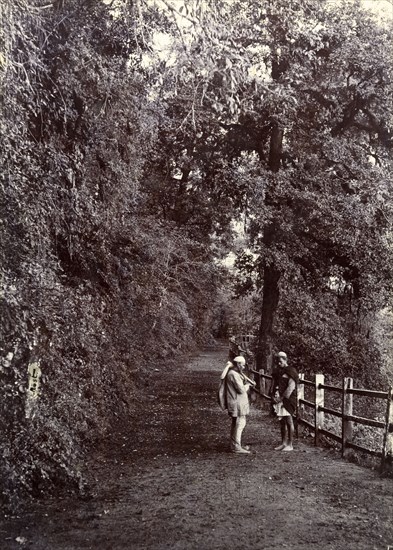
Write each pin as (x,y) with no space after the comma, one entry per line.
(290,103)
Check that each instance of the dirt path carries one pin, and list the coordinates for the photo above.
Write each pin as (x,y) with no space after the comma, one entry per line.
(173,485)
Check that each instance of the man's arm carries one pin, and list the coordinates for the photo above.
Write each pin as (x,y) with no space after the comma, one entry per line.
(291,386)
(237,382)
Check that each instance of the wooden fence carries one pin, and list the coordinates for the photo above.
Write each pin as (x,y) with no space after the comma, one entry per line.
(348,419)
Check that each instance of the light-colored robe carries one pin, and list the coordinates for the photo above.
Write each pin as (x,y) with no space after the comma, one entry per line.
(236,394)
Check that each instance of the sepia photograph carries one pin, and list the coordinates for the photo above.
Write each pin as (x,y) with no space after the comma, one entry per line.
(196,275)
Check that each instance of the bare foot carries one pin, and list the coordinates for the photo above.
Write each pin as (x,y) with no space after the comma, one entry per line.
(287,448)
(280,447)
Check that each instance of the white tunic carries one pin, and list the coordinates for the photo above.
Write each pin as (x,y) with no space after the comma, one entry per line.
(237,397)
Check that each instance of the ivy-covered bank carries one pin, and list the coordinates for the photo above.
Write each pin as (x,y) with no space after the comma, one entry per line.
(97,287)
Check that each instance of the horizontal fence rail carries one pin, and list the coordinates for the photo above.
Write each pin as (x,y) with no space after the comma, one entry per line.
(329,388)
(305,402)
(369,393)
(348,419)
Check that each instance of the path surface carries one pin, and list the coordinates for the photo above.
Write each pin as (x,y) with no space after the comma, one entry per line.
(173,485)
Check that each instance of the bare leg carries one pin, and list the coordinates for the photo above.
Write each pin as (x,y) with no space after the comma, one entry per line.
(283,425)
(284,441)
(291,430)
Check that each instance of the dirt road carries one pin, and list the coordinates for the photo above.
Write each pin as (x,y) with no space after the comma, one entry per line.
(166,481)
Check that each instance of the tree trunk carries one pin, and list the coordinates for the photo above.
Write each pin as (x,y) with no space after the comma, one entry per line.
(271,274)
(275,149)
(271,295)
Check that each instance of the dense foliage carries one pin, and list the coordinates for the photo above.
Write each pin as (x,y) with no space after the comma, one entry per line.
(98,286)
(293,103)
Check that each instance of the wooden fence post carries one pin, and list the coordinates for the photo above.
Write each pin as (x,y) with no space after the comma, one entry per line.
(387,451)
(319,402)
(299,406)
(347,409)
(262,382)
